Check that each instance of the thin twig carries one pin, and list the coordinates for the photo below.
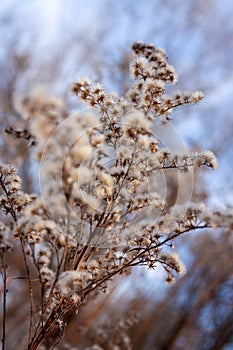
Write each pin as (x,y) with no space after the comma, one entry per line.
(4,279)
(101,280)
(29,280)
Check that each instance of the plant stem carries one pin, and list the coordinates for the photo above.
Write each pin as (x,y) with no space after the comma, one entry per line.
(4,279)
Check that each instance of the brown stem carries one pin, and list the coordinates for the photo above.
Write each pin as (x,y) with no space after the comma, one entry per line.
(4,279)
(30,290)
(96,284)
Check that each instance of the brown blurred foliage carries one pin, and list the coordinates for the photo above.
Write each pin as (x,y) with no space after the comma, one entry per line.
(195,313)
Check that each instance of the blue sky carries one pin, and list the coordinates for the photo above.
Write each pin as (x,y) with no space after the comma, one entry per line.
(197,36)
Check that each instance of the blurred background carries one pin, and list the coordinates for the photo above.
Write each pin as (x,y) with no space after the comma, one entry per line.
(47,45)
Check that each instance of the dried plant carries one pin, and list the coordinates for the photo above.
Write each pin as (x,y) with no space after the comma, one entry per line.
(101,211)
